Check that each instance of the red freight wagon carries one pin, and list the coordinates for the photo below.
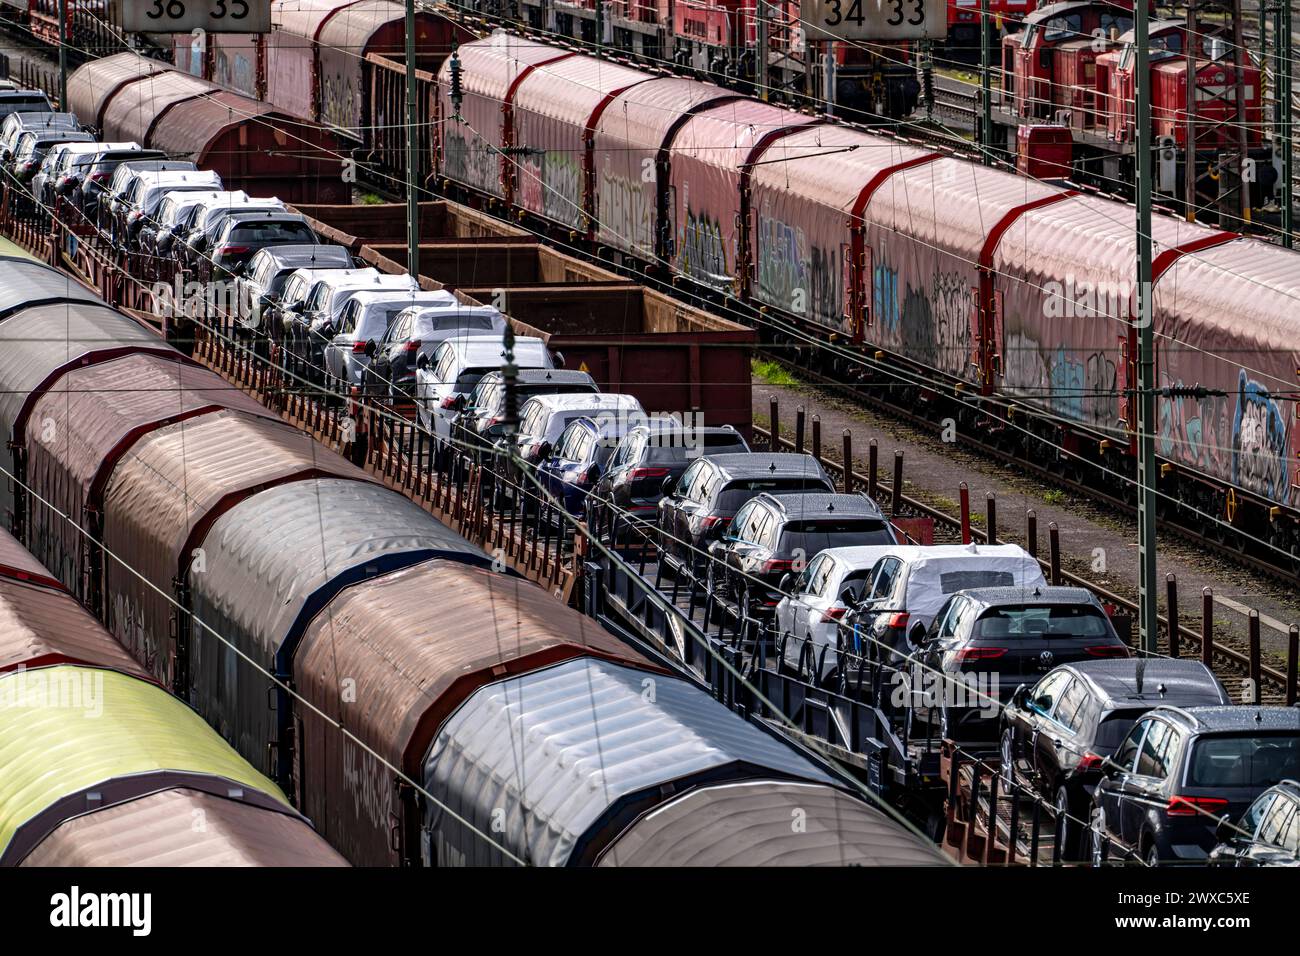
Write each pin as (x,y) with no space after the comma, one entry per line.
(631,160)
(248,144)
(808,255)
(554,109)
(471,146)
(709,155)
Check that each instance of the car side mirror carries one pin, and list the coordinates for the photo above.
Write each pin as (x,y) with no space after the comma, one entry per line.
(667,487)
(544,450)
(919,634)
(370,348)
(1021,696)
(558,359)
(422,361)
(1224,830)
(787,582)
(848,597)
(327,331)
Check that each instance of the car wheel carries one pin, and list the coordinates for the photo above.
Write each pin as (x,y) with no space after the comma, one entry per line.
(1008,759)
(1067,829)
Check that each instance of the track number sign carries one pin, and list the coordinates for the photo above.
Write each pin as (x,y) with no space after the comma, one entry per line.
(185,16)
(874,19)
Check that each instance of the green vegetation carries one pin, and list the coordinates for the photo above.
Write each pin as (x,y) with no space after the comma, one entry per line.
(773,373)
(1054,496)
(370,199)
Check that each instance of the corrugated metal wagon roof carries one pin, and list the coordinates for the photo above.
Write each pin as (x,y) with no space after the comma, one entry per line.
(53,755)
(573,753)
(752,824)
(25,282)
(92,86)
(158,830)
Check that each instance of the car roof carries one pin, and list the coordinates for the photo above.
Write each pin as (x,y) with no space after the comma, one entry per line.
(56,136)
(177,177)
(374,296)
(542,376)
(817,505)
(1183,682)
(757,464)
(315,275)
(456,307)
(262,215)
(1235,718)
(596,401)
(294,256)
(863,557)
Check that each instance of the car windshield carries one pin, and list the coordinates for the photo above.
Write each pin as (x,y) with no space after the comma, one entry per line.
(272,231)
(1053,620)
(815,536)
(736,493)
(1244,760)
(452,321)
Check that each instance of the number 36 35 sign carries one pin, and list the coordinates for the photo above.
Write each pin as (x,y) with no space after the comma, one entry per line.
(184,16)
(874,19)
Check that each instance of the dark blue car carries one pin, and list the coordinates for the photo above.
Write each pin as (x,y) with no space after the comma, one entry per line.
(580,456)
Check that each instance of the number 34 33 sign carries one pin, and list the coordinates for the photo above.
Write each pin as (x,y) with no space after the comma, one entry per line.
(874,19)
(184,16)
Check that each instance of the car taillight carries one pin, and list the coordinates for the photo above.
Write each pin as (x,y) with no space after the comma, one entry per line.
(413,346)
(231,250)
(979,654)
(1187,806)
(835,613)
(1090,761)
(1107,650)
(711,522)
(770,567)
(588,476)
(898,619)
(636,474)
(98,177)
(449,402)
(358,348)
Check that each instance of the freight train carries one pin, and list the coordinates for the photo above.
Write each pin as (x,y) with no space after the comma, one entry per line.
(965,292)
(103,767)
(420,706)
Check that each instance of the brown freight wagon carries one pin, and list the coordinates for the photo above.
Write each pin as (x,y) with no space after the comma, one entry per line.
(674,358)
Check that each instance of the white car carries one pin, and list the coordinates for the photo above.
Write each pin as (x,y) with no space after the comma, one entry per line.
(911,584)
(444,381)
(367,318)
(811,614)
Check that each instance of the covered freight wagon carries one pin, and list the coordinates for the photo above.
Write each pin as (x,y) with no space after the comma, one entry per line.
(248,143)
(104,768)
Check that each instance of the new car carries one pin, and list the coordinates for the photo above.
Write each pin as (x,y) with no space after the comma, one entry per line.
(1268,834)
(417,331)
(911,584)
(648,456)
(772,536)
(1178,771)
(364,321)
(697,507)
(1058,734)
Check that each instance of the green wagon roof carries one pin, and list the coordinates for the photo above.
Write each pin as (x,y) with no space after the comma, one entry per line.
(65,729)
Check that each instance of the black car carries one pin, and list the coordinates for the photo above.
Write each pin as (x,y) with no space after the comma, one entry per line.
(697,507)
(648,456)
(1058,734)
(772,536)
(1267,835)
(1179,771)
(986,642)
(243,234)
